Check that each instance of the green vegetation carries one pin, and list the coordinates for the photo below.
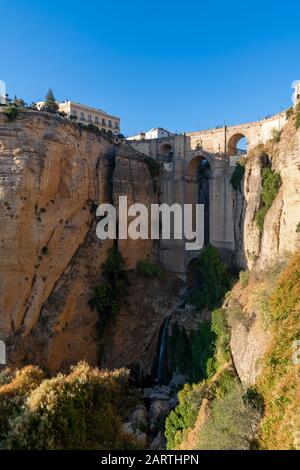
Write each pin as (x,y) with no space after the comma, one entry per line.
(50,105)
(271,182)
(14,390)
(113,287)
(148,269)
(185,414)
(244,278)
(237,177)
(279,381)
(200,355)
(181,420)
(11,112)
(214,280)
(290,112)
(189,354)
(276,135)
(82,410)
(232,423)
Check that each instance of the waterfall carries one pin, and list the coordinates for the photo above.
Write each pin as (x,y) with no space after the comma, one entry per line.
(162,350)
(161,371)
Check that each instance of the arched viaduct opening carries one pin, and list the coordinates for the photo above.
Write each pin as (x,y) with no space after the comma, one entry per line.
(166,151)
(237,145)
(197,191)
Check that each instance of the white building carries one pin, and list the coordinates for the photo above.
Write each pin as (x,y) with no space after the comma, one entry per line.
(155,133)
(296,86)
(88,115)
(3,95)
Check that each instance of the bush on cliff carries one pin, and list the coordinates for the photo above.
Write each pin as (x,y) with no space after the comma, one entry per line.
(213,280)
(232,423)
(113,287)
(82,410)
(147,269)
(11,112)
(14,390)
(271,182)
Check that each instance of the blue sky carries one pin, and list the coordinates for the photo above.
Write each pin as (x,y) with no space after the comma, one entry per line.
(184,65)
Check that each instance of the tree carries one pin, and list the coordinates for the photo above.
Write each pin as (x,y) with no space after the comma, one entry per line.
(50,105)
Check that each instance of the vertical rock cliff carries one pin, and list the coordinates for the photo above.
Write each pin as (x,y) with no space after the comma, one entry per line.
(53,175)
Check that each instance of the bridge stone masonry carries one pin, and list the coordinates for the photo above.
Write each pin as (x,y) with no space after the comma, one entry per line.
(216,152)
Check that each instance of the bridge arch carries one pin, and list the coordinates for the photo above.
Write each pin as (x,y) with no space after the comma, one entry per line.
(197,163)
(237,144)
(166,150)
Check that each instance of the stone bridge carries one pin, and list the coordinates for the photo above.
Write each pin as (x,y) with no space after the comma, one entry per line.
(181,156)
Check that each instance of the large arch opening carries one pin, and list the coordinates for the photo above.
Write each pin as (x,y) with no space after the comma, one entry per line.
(199,173)
(166,151)
(237,145)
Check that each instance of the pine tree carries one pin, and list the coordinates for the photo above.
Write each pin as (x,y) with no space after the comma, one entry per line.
(50,104)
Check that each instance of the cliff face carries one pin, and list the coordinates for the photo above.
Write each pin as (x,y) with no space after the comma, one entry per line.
(280,234)
(52,177)
(261,252)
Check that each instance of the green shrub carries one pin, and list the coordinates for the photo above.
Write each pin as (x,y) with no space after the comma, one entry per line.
(271,182)
(14,392)
(244,278)
(94,129)
(185,414)
(82,410)
(232,423)
(213,279)
(276,135)
(237,177)
(145,268)
(219,326)
(189,353)
(285,299)
(11,112)
(290,112)
(113,287)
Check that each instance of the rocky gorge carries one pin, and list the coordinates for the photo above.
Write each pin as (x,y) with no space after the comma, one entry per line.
(53,175)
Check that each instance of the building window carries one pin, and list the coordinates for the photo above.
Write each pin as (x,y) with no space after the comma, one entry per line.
(116,125)
(73,112)
(103,122)
(82,117)
(96,120)
(89,118)
(109,123)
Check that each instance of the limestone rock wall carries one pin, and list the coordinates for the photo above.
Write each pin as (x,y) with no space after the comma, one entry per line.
(280,235)
(52,177)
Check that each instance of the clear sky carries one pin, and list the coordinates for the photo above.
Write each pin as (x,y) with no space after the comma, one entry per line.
(184,65)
